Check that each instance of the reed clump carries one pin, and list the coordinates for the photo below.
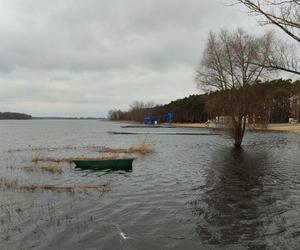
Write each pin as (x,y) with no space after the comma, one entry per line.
(100,187)
(50,169)
(36,159)
(30,149)
(143,149)
(6,183)
(71,159)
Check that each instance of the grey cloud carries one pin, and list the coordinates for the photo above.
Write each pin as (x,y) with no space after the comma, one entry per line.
(108,52)
(97,35)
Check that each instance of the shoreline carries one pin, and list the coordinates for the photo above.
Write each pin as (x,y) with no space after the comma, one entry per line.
(190,125)
(279,127)
(275,127)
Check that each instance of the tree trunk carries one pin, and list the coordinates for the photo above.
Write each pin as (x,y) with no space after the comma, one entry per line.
(239,131)
(238,137)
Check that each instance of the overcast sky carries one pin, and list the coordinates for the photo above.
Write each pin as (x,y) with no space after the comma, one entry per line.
(84,57)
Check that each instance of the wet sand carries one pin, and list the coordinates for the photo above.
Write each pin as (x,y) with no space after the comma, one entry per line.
(286,127)
(190,125)
(293,128)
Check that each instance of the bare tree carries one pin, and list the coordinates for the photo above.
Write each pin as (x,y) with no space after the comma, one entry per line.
(114,115)
(284,14)
(139,109)
(231,64)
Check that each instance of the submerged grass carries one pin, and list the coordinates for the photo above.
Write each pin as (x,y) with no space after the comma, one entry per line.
(71,159)
(50,169)
(6,183)
(30,149)
(100,187)
(142,149)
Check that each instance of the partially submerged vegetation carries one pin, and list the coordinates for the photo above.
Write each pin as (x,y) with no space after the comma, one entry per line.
(51,169)
(143,149)
(6,183)
(56,168)
(100,187)
(29,149)
(71,159)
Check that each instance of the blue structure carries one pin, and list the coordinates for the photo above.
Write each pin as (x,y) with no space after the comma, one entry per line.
(151,120)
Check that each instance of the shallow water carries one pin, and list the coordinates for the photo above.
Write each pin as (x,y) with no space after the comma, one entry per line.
(194,192)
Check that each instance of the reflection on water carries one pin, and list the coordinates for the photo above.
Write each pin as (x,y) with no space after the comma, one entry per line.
(244,201)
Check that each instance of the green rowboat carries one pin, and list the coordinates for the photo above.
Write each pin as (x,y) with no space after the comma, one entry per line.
(117,164)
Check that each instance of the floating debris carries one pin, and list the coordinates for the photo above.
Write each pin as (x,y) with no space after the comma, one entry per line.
(121,233)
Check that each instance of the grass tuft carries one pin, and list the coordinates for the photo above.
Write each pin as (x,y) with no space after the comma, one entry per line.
(15,184)
(71,159)
(142,149)
(50,169)
(100,187)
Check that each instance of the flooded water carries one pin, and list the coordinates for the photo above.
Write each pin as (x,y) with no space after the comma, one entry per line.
(194,192)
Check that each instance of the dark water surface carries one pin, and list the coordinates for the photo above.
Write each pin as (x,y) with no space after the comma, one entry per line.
(194,192)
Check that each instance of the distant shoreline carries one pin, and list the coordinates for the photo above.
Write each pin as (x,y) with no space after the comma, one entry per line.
(14,116)
(50,118)
(68,118)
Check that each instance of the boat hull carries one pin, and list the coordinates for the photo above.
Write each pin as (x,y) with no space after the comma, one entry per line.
(118,164)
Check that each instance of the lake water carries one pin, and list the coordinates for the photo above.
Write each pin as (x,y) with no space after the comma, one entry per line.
(194,192)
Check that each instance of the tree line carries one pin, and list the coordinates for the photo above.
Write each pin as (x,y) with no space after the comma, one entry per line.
(14,116)
(272,102)
(188,109)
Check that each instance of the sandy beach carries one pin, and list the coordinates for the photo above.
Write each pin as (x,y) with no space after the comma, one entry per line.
(190,125)
(286,127)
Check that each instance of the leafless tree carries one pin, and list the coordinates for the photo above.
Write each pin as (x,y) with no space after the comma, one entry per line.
(114,114)
(231,64)
(284,14)
(139,109)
